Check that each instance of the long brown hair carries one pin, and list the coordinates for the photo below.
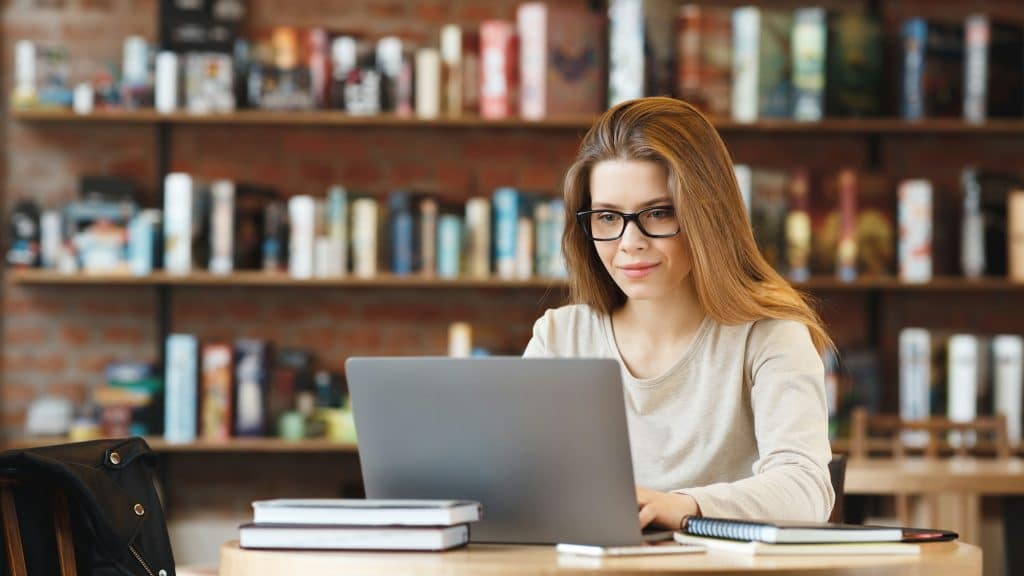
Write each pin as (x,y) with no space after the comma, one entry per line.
(734,283)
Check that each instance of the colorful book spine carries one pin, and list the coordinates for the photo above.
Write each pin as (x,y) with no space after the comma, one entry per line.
(846,247)
(798,227)
(402,232)
(251,383)
(506,231)
(428,236)
(704,57)
(498,85)
(915,381)
(809,42)
(274,237)
(451,70)
(976,47)
(178,197)
(478,237)
(542,230)
(449,246)
(626,61)
(774,71)
(972,226)
(216,395)
(915,40)
(364,237)
(915,226)
(963,374)
(558,267)
(222,227)
(428,83)
(142,241)
(746,32)
(302,220)
(337,229)
(1015,236)
(1008,381)
(181,388)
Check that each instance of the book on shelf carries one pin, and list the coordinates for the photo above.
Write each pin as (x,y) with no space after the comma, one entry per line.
(810,35)
(933,73)
(854,71)
(915,230)
(754,548)
(993,69)
(704,57)
(369,512)
(313,537)
(778,532)
(499,70)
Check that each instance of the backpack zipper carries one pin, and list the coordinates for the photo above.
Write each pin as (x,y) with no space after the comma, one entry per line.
(138,557)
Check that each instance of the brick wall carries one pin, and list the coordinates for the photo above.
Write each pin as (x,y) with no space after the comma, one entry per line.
(57,339)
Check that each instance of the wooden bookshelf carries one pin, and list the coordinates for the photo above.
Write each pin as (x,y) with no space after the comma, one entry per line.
(327,118)
(258,278)
(234,445)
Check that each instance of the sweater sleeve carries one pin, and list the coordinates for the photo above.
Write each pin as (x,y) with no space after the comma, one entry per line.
(538,345)
(790,477)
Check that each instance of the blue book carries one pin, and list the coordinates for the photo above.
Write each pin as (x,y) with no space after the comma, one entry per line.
(506,231)
(181,402)
(556,259)
(402,233)
(449,245)
(915,38)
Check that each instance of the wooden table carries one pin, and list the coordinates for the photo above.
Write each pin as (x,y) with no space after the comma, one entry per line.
(963,480)
(512,560)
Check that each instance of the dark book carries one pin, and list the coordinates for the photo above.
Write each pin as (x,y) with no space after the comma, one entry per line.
(932,69)
(251,384)
(768,208)
(200,25)
(251,204)
(853,75)
(775,65)
(993,69)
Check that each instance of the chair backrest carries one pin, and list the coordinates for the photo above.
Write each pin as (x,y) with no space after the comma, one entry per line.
(837,473)
(14,547)
(928,436)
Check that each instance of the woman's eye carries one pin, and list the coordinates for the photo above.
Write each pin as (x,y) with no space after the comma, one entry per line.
(608,217)
(660,213)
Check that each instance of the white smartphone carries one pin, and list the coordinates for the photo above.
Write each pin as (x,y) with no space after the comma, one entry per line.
(642,550)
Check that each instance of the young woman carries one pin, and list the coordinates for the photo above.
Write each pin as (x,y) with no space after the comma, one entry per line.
(720,356)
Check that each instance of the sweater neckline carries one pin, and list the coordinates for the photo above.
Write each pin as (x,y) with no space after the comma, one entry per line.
(686,358)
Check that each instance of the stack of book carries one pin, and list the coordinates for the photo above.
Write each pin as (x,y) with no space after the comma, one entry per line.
(350,524)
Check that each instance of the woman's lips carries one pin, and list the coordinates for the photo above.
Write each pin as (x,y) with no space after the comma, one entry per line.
(636,271)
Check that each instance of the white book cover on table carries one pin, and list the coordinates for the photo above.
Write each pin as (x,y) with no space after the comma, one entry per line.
(352,538)
(366,512)
(823,549)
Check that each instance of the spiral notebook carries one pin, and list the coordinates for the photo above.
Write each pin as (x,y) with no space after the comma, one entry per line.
(789,532)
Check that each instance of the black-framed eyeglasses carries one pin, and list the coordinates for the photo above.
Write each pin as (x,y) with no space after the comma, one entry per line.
(653,222)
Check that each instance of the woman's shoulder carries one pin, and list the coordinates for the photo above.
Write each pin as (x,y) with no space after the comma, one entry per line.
(571,316)
(570,330)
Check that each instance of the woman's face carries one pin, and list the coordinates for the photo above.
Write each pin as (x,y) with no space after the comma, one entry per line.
(644,268)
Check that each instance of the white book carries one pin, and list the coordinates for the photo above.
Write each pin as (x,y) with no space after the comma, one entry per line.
(365,512)
(178,197)
(222,227)
(428,83)
(166,97)
(478,237)
(915,231)
(181,388)
(51,238)
(746,34)
(531,21)
(1008,380)
(337,228)
(24,72)
(351,538)
(915,381)
(301,217)
(972,226)
(626,72)
(451,69)
(763,549)
(364,237)
(976,44)
(524,249)
(963,384)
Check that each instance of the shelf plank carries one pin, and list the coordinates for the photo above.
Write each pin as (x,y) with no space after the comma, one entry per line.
(234,445)
(259,278)
(328,118)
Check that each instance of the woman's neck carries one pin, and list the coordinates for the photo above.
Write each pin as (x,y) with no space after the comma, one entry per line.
(665,320)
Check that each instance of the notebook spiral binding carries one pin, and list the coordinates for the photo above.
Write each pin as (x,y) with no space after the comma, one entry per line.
(728,529)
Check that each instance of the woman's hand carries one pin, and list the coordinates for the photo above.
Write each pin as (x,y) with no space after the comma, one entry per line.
(664,509)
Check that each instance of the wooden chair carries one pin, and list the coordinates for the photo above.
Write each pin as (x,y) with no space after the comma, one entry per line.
(874,433)
(12,531)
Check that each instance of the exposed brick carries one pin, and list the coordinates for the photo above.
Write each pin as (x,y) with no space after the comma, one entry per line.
(30,361)
(25,335)
(123,335)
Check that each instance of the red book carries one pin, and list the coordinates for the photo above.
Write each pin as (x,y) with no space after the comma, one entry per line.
(499,65)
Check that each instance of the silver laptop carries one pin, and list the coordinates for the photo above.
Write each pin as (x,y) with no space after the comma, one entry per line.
(541,443)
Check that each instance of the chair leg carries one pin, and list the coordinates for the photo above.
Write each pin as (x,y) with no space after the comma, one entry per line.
(62,525)
(12,533)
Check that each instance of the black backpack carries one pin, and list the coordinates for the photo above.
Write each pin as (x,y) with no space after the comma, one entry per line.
(117,524)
